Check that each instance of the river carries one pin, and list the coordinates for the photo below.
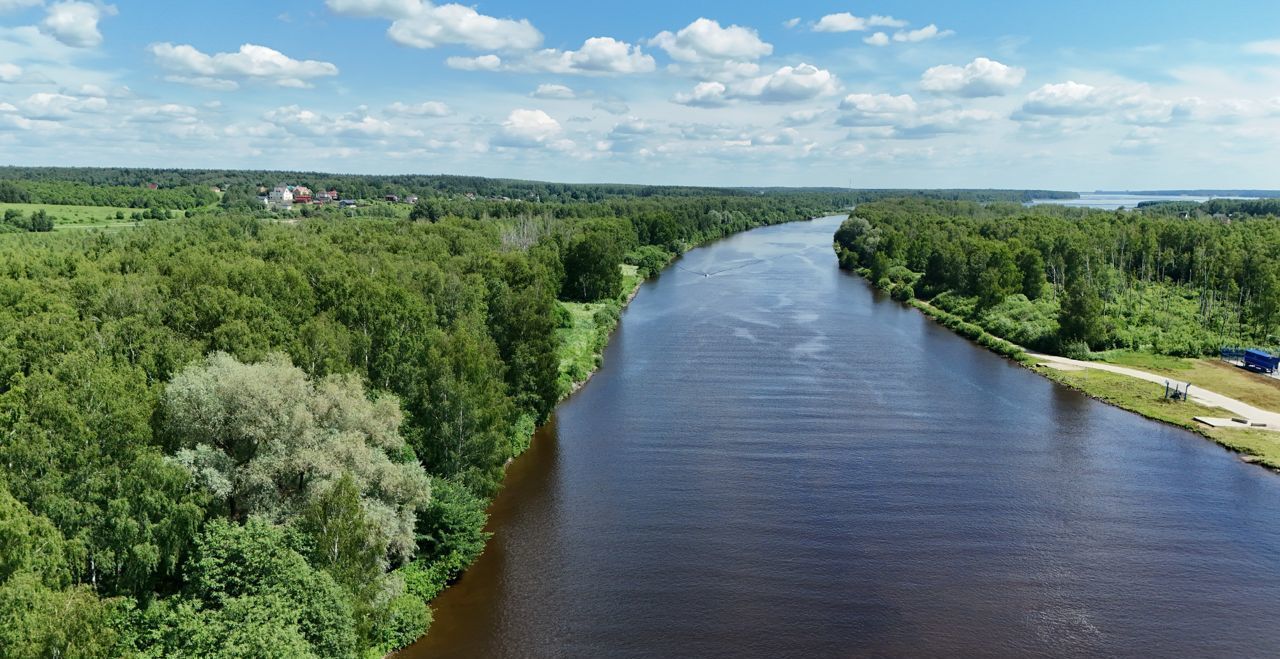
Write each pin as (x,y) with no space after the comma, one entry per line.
(777,461)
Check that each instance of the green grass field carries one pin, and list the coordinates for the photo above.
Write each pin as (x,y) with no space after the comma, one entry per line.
(74,215)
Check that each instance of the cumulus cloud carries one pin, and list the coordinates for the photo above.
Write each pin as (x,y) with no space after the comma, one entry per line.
(307,123)
(925,33)
(847,22)
(981,77)
(528,128)
(597,56)
(877,39)
(876,109)
(9,72)
(705,40)
(421,24)
(427,109)
(251,62)
(560,92)
(787,84)
(1067,99)
(49,106)
(76,23)
(481,63)
(709,94)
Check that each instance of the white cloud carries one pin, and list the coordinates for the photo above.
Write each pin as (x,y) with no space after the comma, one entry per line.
(421,24)
(787,84)
(802,117)
(876,109)
(561,92)
(9,72)
(597,56)
(358,125)
(940,123)
(56,107)
(1067,99)
(925,33)
(76,23)
(791,84)
(427,109)
(172,113)
(877,39)
(251,62)
(981,77)
(791,23)
(481,63)
(705,40)
(1271,47)
(528,128)
(704,95)
(847,22)
(14,5)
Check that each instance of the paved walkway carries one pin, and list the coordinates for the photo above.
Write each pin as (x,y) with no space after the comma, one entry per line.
(1202,396)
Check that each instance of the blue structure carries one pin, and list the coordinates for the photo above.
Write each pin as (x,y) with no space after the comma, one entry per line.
(1257,360)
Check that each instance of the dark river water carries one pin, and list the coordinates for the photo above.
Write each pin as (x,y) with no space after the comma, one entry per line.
(776,461)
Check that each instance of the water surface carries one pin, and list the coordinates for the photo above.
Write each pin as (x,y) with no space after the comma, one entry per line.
(778,462)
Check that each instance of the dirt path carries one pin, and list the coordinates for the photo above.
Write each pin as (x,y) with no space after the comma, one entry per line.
(1197,394)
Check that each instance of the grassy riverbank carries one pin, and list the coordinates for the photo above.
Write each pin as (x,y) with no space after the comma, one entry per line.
(1147,398)
(585,330)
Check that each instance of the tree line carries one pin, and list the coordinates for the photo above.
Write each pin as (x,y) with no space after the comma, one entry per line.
(1073,280)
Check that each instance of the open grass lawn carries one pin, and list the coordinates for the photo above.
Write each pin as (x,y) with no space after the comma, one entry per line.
(1212,374)
(74,215)
(1147,399)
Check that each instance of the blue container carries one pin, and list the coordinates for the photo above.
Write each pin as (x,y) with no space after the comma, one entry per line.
(1261,361)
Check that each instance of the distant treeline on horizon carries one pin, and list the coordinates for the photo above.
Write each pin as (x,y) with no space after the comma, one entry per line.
(369,186)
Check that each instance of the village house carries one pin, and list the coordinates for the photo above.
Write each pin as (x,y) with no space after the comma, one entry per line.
(302,195)
(280,199)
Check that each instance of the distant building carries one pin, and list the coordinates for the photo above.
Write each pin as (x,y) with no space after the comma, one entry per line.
(280,199)
(393,199)
(302,195)
(347,203)
(411,199)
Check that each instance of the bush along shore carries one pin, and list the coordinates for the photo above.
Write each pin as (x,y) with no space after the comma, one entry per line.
(1046,278)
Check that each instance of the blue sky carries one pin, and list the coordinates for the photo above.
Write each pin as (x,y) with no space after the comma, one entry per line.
(1079,95)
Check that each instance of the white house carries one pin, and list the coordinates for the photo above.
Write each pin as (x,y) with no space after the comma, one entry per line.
(280,199)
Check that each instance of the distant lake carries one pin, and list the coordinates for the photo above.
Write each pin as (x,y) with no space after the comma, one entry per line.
(1110,202)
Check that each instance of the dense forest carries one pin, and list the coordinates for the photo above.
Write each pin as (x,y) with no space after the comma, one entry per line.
(1073,280)
(185,188)
(227,435)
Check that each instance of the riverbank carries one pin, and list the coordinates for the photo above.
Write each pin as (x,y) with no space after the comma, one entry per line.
(1145,397)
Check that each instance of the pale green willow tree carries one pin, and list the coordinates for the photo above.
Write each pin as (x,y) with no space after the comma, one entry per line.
(269,442)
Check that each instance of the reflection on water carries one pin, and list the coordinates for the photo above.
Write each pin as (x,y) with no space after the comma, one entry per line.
(778,462)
